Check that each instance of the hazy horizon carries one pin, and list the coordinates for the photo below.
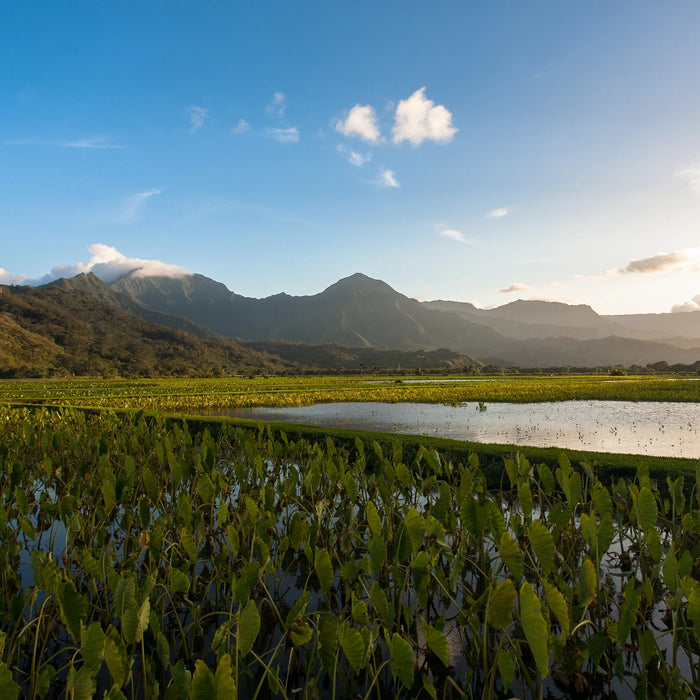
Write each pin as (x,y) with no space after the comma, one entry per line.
(468,152)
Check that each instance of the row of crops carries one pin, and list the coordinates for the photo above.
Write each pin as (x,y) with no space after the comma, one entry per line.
(139,558)
(198,395)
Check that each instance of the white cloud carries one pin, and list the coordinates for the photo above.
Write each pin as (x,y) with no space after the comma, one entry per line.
(498,213)
(454,235)
(516,287)
(277,105)
(241,128)
(353,157)
(99,142)
(663,262)
(7,277)
(361,122)
(692,305)
(196,115)
(692,178)
(134,203)
(290,135)
(418,118)
(386,179)
(109,265)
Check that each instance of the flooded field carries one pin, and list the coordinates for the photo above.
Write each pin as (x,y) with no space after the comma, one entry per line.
(649,428)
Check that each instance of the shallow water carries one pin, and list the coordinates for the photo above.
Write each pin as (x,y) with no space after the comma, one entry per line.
(646,428)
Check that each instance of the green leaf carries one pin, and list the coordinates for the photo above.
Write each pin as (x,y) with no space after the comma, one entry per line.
(377,553)
(588,582)
(73,607)
(182,679)
(9,690)
(415,527)
(628,613)
(381,605)
(324,569)
(510,554)
(328,641)
(543,545)
(501,604)
(92,646)
(300,633)
(401,659)
(206,488)
(373,519)
(248,627)
(647,510)
(81,683)
(557,604)
(116,657)
(437,643)
(179,580)
(188,543)
(223,679)
(506,666)
(535,627)
(359,611)
(203,685)
(525,498)
(353,646)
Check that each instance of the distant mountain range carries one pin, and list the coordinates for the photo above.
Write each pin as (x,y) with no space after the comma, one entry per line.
(195,325)
(362,312)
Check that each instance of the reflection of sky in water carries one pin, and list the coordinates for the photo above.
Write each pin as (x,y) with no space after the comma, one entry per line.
(653,428)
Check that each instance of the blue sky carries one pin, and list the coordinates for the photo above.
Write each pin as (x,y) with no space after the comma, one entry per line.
(474,151)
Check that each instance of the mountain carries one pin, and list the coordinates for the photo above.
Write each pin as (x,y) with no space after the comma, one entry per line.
(359,311)
(77,327)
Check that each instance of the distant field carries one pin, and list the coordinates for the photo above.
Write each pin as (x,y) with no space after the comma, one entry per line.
(196,395)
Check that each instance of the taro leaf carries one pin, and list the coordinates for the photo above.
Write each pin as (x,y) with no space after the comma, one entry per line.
(381,605)
(525,498)
(437,642)
(350,486)
(653,541)
(248,627)
(233,539)
(188,543)
(670,570)
(501,604)
(628,614)
(43,685)
(9,690)
(428,686)
(300,633)
(179,581)
(543,545)
(353,646)
(163,649)
(206,488)
(298,608)
(109,493)
(182,679)
(597,645)
(557,604)
(506,666)
(415,527)
(510,554)
(92,646)
(546,479)
(647,510)
(601,499)
(535,627)
(81,683)
(223,678)
(647,646)
(203,685)
(401,659)
(588,582)
(606,534)
(359,611)
(324,569)
(328,641)
(116,657)
(135,622)
(73,606)
(377,553)
(114,694)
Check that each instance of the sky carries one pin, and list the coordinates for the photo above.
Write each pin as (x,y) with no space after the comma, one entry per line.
(473,151)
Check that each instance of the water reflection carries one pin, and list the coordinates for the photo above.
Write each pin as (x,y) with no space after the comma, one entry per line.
(648,428)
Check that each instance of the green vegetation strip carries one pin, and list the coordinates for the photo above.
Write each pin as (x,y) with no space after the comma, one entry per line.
(152,556)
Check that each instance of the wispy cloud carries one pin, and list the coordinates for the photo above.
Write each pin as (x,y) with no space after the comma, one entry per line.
(290,135)
(353,157)
(277,106)
(197,116)
(99,142)
(361,122)
(516,287)
(241,128)
(499,213)
(418,119)
(454,235)
(691,177)
(134,203)
(663,262)
(386,180)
